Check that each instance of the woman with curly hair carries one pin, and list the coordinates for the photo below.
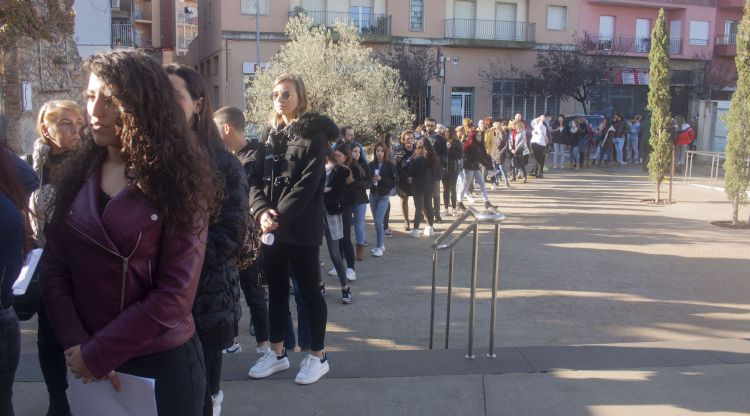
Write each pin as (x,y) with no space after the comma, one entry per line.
(216,308)
(127,239)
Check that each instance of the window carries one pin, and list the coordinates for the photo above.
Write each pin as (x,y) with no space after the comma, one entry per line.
(698,33)
(730,33)
(557,17)
(511,96)
(361,16)
(215,66)
(416,15)
(249,7)
(462,104)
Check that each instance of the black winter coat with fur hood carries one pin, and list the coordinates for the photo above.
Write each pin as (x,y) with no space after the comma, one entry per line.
(289,175)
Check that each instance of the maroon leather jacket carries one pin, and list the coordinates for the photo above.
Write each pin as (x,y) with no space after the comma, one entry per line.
(118,284)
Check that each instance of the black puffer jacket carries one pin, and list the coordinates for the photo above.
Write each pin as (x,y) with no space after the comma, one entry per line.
(423,175)
(401,156)
(292,157)
(362,182)
(388,178)
(217,303)
(334,199)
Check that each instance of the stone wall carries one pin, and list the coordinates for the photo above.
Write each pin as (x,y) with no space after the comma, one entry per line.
(53,69)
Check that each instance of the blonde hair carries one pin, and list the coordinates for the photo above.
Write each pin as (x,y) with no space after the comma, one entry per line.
(404,134)
(303,105)
(51,112)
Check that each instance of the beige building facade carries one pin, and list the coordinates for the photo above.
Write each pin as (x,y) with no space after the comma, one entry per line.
(468,35)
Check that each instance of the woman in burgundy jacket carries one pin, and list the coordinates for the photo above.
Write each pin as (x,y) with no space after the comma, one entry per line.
(128,235)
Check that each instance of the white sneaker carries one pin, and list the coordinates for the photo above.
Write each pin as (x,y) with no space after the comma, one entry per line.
(378,252)
(268,364)
(312,369)
(332,272)
(494,187)
(415,232)
(350,274)
(216,400)
(236,347)
(262,350)
(445,212)
(470,198)
(429,231)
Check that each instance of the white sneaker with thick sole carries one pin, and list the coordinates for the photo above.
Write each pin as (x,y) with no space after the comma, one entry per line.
(428,231)
(236,347)
(312,369)
(332,272)
(415,232)
(268,364)
(350,274)
(216,400)
(378,252)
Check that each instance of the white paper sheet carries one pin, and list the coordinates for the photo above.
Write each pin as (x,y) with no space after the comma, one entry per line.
(95,399)
(27,271)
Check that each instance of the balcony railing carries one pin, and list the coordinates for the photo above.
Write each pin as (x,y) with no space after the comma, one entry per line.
(490,30)
(366,23)
(705,3)
(698,42)
(626,44)
(142,14)
(187,18)
(123,36)
(726,40)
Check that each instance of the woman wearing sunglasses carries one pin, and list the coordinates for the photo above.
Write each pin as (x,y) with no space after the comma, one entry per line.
(286,197)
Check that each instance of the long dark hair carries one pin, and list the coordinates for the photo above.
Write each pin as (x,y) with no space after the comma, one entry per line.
(11,187)
(425,150)
(202,123)
(163,158)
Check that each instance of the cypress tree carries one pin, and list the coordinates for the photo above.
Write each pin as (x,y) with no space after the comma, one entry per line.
(659,104)
(736,175)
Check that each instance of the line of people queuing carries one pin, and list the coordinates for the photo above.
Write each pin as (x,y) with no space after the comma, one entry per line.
(141,209)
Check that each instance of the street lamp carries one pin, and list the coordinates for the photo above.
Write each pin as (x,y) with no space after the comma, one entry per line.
(442,60)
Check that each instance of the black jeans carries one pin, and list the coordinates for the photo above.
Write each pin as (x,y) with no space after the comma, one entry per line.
(449,190)
(540,152)
(10,353)
(52,363)
(345,245)
(213,359)
(423,201)
(251,283)
(335,254)
(180,378)
(304,262)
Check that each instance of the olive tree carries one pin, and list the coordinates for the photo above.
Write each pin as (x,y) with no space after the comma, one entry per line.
(343,80)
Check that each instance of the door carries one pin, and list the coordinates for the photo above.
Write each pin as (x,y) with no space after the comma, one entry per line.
(361,17)
(642,35)
(505,21)
(675,36)
(464,13)
(606,31)
(730,32)
(462,104)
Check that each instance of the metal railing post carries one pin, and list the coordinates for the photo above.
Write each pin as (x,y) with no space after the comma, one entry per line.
(432,301)
(450,292)
(472,302)
(495,278)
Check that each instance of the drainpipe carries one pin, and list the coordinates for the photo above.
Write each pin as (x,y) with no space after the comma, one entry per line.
(228,79)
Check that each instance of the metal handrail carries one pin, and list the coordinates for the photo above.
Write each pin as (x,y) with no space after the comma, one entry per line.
(492,216)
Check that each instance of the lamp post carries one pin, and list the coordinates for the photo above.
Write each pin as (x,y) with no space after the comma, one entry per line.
(442,59)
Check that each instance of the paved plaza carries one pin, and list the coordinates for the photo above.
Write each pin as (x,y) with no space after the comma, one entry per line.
(607,306)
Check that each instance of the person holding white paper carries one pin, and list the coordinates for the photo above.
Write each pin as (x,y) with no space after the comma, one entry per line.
(127,239)
(14,225)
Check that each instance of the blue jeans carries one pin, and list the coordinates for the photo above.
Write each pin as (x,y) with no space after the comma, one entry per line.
(633,148)
(359,223)
(475,175)
(619,144)
(378,206)
(303,328)
(574,157)
(10,353)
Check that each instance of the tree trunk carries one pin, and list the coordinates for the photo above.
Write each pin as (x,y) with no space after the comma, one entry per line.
(671,177)
(658,191)
(735,212)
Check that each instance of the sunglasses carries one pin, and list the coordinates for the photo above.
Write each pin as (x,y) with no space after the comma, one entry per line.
(283,95)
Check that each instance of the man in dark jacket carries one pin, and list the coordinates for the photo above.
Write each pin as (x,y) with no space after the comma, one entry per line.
(347,136)
(231,124)
(441,149)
